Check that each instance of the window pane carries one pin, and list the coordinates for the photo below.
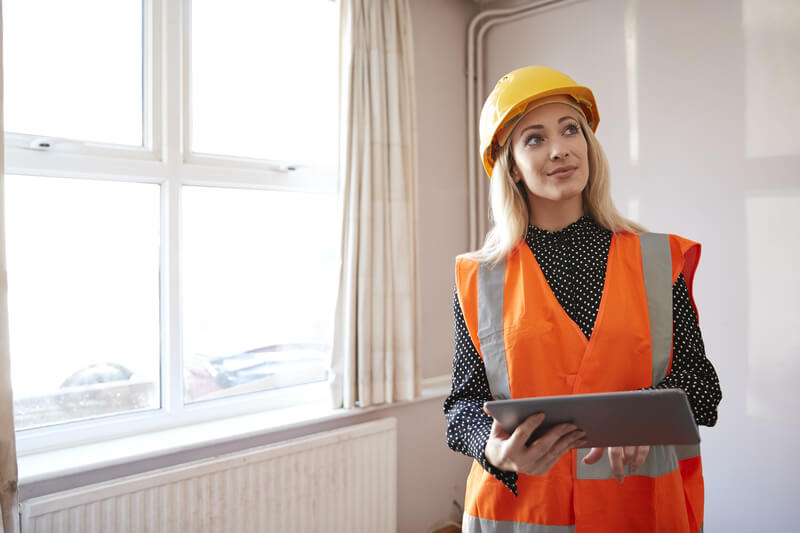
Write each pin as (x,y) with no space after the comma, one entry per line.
(265,79)
(74,69)
(260,271)
(83,297)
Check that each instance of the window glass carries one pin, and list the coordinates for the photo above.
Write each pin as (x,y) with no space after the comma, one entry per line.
(83,297)
(260,271)
(74,69)
(264,80)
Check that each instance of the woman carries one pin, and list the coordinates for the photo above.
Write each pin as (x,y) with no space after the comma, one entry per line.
(563,299)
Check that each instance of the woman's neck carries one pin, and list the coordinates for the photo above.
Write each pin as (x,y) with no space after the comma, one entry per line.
(554,216)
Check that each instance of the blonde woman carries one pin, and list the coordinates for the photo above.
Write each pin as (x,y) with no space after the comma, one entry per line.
(556,302)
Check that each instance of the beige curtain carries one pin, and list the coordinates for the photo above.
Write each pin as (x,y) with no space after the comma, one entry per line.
(8,449)
(376,333)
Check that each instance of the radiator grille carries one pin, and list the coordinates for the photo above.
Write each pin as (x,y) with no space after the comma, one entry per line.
(343,480)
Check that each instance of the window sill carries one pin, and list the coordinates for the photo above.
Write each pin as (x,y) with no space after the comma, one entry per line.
(39,472)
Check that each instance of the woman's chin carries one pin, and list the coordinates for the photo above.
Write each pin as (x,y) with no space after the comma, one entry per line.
(561,195)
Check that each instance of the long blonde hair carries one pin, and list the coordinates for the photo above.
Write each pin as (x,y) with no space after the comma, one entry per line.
(509,209)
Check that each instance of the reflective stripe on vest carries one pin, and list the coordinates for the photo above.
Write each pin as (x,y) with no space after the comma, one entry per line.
(656,257)
(687,451)
(491,279)
(657,270)
(661,460)
(471,524)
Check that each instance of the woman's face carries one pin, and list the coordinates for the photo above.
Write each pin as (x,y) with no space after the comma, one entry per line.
(550,153)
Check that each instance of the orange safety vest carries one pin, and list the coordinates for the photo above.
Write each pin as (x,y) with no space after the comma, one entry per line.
(530,347)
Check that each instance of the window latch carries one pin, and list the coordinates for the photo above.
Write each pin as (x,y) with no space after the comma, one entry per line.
(41,144)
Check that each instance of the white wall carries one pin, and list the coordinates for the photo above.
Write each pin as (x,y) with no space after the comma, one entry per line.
(699,103)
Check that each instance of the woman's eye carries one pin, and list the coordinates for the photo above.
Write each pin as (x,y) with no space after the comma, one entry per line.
(534,139)
(572,129)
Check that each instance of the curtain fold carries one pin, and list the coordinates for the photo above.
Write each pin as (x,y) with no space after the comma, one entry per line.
(376,336)
(8,449)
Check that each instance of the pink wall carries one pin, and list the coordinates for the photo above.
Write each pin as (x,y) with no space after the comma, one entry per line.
(440,29)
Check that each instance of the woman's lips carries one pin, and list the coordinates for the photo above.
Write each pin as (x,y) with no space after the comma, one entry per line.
(562,172)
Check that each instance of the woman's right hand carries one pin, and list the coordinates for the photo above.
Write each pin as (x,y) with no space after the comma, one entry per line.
(508,451)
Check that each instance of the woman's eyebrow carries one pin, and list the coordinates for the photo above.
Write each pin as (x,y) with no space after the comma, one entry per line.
(539,126)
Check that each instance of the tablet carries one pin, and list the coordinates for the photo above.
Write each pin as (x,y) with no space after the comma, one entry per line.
(647,417)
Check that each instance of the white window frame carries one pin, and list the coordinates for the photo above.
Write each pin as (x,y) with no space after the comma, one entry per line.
(164,159)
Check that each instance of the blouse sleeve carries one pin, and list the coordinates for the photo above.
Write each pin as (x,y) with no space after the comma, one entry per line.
(468,427)
(691,370)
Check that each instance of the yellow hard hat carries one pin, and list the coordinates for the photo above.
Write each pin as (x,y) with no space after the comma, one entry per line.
(511,98)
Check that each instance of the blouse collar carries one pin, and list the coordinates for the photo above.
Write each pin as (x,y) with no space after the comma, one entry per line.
(584,226)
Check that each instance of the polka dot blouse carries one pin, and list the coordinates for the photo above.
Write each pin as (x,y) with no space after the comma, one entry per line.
(573,260)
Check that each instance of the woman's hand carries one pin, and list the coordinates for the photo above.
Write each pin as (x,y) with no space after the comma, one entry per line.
(508,451)
(619,457)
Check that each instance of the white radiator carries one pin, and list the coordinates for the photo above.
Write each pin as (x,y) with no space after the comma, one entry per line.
(342,480)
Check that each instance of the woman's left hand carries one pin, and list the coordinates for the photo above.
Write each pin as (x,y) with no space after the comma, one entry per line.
(619,457)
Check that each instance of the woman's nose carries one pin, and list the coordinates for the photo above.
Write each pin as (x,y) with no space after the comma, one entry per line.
(558,149)
(557,152)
